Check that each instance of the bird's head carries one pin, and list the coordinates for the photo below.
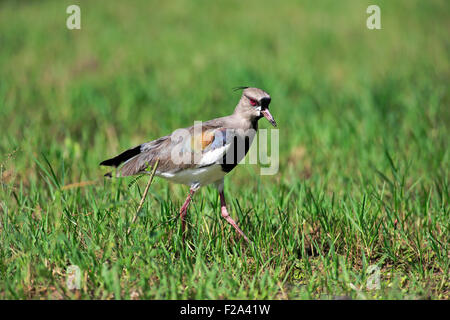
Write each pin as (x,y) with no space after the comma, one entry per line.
(254,104)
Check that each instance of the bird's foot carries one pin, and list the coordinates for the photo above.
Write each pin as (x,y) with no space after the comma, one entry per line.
(230,220)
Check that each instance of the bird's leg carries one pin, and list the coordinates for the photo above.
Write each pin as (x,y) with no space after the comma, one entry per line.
(227,216)
(183,209)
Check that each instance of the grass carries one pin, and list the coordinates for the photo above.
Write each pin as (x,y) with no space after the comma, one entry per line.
(364,163)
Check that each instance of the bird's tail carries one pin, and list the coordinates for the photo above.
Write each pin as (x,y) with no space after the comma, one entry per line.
(121,158)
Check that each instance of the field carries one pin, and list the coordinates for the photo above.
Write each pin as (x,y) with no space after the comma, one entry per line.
(363,116)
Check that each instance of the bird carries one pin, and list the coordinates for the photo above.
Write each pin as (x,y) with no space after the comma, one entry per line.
(202,154)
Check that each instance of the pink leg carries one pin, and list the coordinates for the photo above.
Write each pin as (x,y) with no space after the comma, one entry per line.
(183,210)
(227,216)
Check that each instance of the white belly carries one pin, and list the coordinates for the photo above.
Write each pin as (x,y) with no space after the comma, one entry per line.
(201,176)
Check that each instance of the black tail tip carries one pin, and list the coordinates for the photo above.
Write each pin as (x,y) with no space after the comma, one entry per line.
(108,163)
(121,158)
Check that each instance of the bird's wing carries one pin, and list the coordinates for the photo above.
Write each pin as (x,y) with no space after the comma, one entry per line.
(193,147)
(213,143)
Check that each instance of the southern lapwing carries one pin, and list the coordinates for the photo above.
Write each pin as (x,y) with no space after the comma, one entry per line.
(201,154)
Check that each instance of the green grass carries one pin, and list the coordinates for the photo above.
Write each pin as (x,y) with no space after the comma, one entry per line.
(364,162)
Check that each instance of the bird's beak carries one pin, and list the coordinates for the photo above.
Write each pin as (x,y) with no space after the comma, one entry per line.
(268,116)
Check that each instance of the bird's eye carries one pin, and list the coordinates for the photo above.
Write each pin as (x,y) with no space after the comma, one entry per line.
(253,102)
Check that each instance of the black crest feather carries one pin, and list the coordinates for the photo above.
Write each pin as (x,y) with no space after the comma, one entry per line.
(239,88)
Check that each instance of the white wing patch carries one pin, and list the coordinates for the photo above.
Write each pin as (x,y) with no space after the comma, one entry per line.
(214,155)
